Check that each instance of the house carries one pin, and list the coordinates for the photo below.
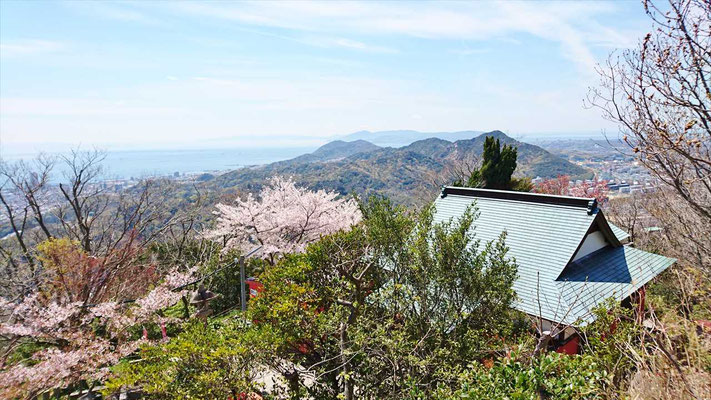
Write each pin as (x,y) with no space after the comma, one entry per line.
(570,258)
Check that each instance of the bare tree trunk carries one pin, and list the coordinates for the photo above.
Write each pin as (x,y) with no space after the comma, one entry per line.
(542,344)
(347,384)
(18,231)
(75,202)
(34,204)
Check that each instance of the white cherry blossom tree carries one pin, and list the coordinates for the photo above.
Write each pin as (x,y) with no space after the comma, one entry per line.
(284,218)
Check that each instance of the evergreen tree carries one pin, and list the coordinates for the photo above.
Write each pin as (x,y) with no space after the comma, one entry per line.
(498,164)
(497,168)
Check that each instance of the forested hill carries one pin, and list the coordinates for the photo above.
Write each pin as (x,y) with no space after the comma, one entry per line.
(407,174)
(336,150)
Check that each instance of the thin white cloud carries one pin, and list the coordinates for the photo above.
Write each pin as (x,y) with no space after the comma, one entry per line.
(331,42)
(572,25)
(469,51)
(28,47)
(115,11)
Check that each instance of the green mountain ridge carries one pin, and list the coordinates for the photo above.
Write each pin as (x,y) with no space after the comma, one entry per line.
(409,175)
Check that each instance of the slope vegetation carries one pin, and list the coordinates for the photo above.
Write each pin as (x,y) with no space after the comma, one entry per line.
(409,174)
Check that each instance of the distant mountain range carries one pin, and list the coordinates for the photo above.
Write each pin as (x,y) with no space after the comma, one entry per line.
(409,174)
(336,150)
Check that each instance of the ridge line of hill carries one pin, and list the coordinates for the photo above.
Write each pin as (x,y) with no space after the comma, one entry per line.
(405,174)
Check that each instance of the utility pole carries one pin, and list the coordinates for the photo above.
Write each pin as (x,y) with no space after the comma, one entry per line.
(242,280)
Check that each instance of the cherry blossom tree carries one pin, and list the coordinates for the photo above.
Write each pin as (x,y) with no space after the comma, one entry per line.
(659,94)
(81,317)
(561,186)
(284,218)
(558,186)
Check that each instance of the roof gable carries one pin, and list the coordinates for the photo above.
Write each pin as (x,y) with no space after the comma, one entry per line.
(543,234)
(599,223)
(538,226)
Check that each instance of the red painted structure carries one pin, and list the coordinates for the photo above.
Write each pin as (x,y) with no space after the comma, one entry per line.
(255,287)
(570,346)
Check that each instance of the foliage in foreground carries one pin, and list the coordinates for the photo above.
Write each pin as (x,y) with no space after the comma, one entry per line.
(550,376)
(79,322)
(667,358)
(376,312)
(399,302)
(620,359)
(213,361)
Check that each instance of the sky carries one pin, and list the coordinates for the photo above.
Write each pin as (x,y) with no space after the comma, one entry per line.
(132,75)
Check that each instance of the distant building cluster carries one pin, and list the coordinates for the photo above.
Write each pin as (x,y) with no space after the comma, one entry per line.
(624,175)
(119,184)
(624,187)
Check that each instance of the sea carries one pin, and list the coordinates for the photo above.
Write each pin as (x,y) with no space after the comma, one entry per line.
(127,164)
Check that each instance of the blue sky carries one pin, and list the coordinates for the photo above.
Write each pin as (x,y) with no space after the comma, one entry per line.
(207,74)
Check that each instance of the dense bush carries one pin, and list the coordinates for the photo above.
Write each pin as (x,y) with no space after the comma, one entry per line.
(551,376)
(215,361)
(396,304)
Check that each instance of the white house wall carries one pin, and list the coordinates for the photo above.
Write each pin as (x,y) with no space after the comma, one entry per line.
(592,242)
(547,325)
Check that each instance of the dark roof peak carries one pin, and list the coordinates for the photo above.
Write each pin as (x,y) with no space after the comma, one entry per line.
(583,202)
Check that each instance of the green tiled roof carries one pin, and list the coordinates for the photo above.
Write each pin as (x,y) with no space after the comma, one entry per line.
(619,233)
(543,234)
(610,272)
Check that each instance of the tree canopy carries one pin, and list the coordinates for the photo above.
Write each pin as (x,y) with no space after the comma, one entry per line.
(497,167)
(498,164)
(284,218)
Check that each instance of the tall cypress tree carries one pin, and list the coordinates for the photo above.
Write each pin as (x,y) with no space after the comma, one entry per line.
(498,164)
(497,167)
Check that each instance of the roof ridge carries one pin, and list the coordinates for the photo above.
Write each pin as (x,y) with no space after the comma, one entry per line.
(582,202)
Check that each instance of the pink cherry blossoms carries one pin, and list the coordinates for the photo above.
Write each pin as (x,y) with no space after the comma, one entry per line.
(73,350)
(561,186)
(283,219)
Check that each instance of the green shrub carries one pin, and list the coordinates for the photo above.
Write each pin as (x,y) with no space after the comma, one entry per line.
(553,376)
(213,361)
